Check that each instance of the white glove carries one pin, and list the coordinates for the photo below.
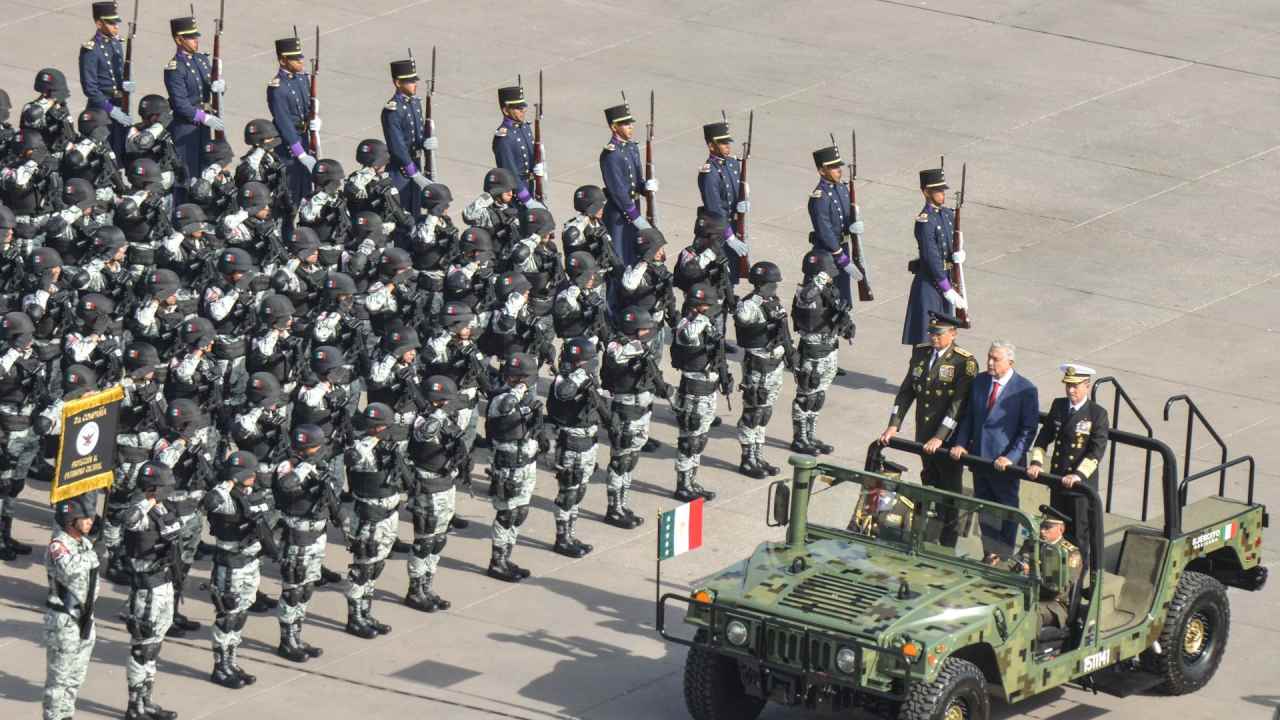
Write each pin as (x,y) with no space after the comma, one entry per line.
(651,185)
(957,257)
(855,227)
(641,223)
(737,245)
(540,169)
(120,116)
(218,86)
(314,125)
(533,202)
(431,143)
(213,122)
(515,301)
(420,180)
(955,299)
(128,86)
(743,207)
(307,161)
(483,202)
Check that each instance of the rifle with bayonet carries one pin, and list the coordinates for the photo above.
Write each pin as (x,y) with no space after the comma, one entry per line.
(740,222)
(215,73)
(539,154)
(855,241)
(957,246)
(651,205)
(429,123)
(315,98)
(127,72)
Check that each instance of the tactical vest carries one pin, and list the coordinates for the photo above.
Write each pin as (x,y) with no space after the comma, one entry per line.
(645,296)
(625,378)
(512,427)
(690,358)
(304,414)
(236,527)
(754,336)
(146,545)
(809,320)
(16,387)
(574,412)
(572,324)
(302,504)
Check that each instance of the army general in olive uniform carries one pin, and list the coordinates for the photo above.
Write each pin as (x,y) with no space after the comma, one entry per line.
(1054,607)
(938,385)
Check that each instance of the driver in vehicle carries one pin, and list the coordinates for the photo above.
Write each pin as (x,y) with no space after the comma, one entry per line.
(1055,595)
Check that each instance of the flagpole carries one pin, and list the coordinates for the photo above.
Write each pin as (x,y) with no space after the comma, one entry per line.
(657,585)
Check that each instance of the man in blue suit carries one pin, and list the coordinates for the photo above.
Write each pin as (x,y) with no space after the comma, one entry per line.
(1000,422)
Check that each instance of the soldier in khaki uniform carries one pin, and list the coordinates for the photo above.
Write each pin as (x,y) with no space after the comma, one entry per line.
(1055,599)
(69,629)
(938,385)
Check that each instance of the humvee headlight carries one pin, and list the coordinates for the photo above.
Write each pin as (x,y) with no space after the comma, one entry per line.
(736,632)
(847,661)
(910,651)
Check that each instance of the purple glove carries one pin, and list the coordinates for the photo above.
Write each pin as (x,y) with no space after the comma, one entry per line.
(633,212)
(843,260)
(296,149)
(944,285)
(410,170)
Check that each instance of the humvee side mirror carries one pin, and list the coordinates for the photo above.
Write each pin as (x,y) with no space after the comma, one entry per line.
(779,504)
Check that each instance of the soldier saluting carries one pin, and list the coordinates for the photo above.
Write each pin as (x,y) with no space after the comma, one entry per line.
(931,290)
(938,384)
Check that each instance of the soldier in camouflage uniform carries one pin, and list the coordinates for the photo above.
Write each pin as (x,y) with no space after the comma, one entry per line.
(187,449)
(451,351)
(820,318)
(632,377)
(237,520)
(69,628)
(760,326)
(437,447)
(575,406)
(22,378)
(152,530)
(586,232)
(513,419)
(301,485)
(141,419)
(374,468)
(698,345)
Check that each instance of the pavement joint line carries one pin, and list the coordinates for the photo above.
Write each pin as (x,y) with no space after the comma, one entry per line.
(582,711)
(1081,38)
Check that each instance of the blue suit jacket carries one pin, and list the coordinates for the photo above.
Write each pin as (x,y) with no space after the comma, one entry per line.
(1008,429)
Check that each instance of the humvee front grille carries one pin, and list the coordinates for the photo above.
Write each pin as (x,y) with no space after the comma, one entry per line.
(833,596)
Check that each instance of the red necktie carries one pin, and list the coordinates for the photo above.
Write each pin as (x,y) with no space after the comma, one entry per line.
(991,399)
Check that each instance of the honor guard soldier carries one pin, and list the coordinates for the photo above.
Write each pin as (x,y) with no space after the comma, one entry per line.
(931,290)
(696,352)
(820,318)
(513,143)
(190,87)
(102,72)
(437,449)
(938,384)
(576,407)
(238,522)
(1077,426)
(718,183)
(289,99)
(305,495)
(832,217)
(631,375)
(403,130)
(624,181)
(760,323)
(69,628)
(152,528)
(513,418)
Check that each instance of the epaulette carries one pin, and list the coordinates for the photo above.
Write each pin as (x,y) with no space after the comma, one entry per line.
(391,105)
(961,351)
(705,168)
(922,217)
(274,82)
(173,65)
(610,147)
(817,193)
(501,131)
(89,45)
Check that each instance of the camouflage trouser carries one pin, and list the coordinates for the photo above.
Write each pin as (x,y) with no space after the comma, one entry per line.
(299,568)
(759,394)
(188,541)
(233,590)
(626,438)
(150,615)
(66,662)
(370,542)
(574,469)
(234,376)
(467,416)
(813,377)
(431,515)
(20,449)
(512,491)
(694,414)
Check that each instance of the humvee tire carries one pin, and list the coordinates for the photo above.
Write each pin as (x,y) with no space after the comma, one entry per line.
(712,688)
(958,693)
(1194,635)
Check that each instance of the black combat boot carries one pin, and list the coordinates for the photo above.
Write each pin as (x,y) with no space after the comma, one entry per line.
(624,500)
(800,442)
(688,489)
(373,622)
(136,711)
(7,553)
(749,465)
(356,624)
(6,535)
(573,536)
(512,563)
(421,598)
(290,647)
(231,662)
(328,576)
(770,469)
(223,673)
(499,568)
(616,515)
(564,542)
(311,650)
(263,603)
(820,446)
(155,712)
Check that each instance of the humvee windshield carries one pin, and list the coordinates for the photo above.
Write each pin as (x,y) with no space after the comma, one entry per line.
(921,519)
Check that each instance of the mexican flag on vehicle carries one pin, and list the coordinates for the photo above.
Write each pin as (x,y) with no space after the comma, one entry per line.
(680,530)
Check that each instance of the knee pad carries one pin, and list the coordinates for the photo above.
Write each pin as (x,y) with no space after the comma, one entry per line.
(750,417)
(565,498)
(293,596)
(375,569)
(692,445)
(819,399)
(506,518)
(422,547)
(236,621)
(358,574)
(580,493)
(227,601)
(438,542)
(143,654)
(810,402)
(423,523)
(307,590)
(521,514)
(688,420)
(766,414)
(755,395)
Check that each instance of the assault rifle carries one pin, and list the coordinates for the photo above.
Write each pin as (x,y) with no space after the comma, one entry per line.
(215,73)
(651,208)
(539,154)
(957,245)
(740,222)
(127,72)
(855,241)
(315,97)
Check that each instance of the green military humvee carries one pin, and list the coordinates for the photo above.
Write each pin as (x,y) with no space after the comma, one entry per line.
(865,604)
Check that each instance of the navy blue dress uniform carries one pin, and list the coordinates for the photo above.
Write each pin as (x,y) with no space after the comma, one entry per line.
(1079,437)
(934,228)
(187,78)
(718,183)
(289,99)
(830,214)
(102,74)
(623,176)
(403,129)
(513,142)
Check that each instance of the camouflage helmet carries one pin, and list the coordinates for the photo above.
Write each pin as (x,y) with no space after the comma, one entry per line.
(499,181)
(588,200)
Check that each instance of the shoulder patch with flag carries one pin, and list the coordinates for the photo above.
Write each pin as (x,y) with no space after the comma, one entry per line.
(680,530)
